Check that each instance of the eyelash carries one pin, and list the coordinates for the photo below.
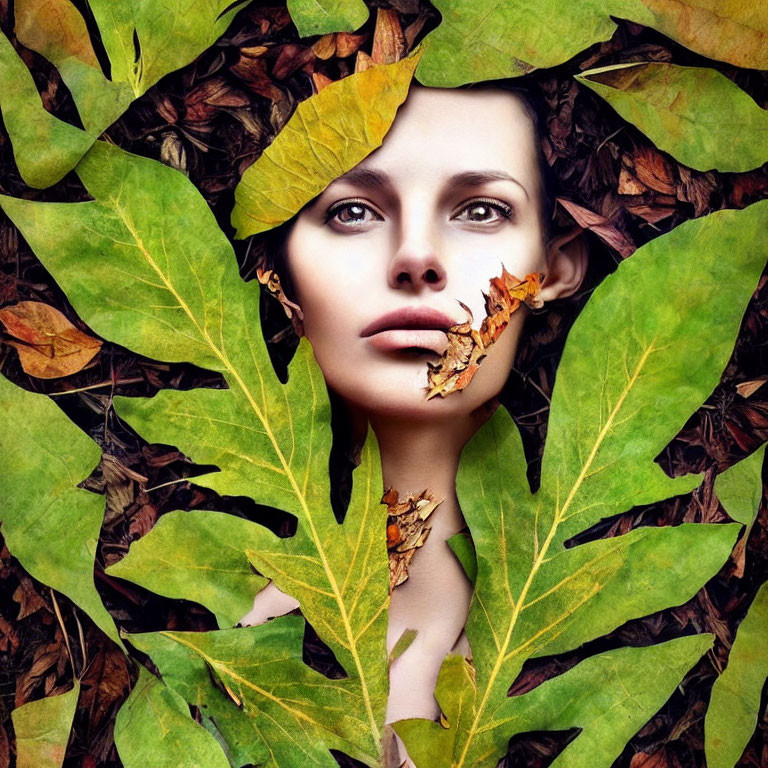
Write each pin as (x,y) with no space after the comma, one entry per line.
(506,211)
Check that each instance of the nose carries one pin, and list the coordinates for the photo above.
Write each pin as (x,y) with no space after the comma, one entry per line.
(417,264)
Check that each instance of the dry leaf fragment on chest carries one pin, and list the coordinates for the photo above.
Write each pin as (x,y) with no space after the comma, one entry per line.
(407,529)
(468,346)
(49,345)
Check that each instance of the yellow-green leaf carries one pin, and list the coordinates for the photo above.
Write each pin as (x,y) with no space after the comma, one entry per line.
(44,147)
(512,38)
(154,728)
(42,729)
(735,703)
(197,555)
(319,17)
(50,525)
(740,487)
(327,135)
(146,266)
(696,114)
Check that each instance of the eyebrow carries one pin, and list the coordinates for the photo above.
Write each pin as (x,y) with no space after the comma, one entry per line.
(367,177)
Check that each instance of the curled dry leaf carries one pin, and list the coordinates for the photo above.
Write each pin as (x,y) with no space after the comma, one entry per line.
(50,346)
(407,529)
(467,346)
(388,40)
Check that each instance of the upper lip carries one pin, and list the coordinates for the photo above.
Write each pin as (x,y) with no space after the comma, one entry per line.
(409,318)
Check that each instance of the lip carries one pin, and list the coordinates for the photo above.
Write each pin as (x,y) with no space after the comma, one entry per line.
(411,319)
(409,327)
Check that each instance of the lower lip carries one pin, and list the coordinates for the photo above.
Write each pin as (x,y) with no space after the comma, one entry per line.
(395,340)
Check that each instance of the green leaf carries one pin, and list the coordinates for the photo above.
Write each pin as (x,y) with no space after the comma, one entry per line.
(319,17)
(154,728)
(197,555)
(696,114)
(464,548)
(607,697)
(297,712)
(50,525)
(735,703)
(512,38)
(146,266)
(740,487)
(615,405)
(328,134)
(42,729)
(44,147)
(144,39)
(57,30)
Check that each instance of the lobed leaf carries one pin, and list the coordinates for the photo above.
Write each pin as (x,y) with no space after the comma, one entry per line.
(154,727)
(197,555)
(607,713)
(328,134)
(42,729)
(296,711)
(319,17)
(615,405)
(50,525)
(696,114)
(146,266)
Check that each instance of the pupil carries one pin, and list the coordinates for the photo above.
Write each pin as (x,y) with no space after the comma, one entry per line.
(356,211)
(483,212)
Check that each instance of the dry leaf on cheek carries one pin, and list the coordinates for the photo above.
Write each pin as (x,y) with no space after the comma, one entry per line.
(407,529)
(50,346)
(467,346)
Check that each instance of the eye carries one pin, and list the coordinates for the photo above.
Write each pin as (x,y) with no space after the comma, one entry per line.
(482,211)
(351,214)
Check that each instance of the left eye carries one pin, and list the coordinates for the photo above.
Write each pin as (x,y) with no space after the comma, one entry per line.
(351,214)
(485,211)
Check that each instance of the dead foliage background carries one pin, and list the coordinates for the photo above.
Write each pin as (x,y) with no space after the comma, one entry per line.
(211,120)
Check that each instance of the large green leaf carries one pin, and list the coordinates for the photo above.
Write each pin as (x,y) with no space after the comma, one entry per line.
(318,17)
(297,712)
(512,38)
(144,39)
(618,400)
(146,266)
(42,729)
(696,114)
(328,134)
(50,525)
(735,703)
(608,713)
(154,728)
(197,554)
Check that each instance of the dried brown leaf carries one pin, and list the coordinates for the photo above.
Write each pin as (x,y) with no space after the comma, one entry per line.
(467,346)
(50,346)
(388,38)
(600,225)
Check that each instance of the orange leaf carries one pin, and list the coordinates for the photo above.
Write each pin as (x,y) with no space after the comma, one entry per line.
(49,345)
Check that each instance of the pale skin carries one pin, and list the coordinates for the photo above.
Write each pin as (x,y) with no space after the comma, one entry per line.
(409,228)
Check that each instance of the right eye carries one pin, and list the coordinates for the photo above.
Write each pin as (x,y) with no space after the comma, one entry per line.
(351,214)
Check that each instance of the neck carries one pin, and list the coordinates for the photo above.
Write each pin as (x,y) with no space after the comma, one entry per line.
(416,456)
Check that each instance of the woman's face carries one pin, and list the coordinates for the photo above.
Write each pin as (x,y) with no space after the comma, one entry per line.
(424,222)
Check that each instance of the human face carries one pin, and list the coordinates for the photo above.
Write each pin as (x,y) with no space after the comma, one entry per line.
(424,222)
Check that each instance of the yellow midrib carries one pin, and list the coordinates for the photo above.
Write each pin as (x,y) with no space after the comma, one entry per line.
(289,473)
(545,546)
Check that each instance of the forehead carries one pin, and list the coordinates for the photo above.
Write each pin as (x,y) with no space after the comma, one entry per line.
(439,132)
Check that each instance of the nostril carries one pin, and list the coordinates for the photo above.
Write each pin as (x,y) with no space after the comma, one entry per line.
(431,276)
(403,277)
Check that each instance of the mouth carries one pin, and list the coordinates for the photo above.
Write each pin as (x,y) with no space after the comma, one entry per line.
(415,330)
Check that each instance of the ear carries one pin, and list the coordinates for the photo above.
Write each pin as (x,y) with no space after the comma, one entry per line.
(566,265)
